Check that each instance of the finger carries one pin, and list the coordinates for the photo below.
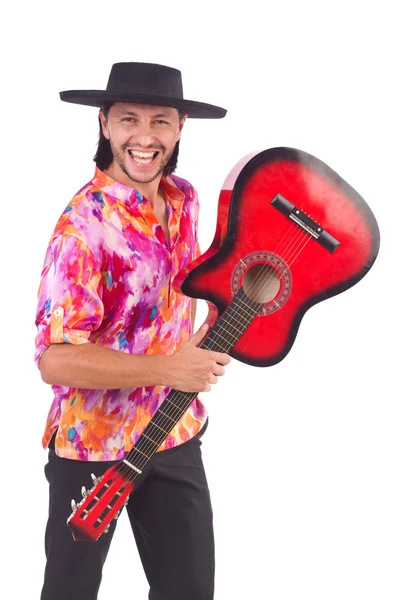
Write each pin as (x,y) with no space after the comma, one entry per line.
(218,370)
(199,335)
(221,358)
(213,378)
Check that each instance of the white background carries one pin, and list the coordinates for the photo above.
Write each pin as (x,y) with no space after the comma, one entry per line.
(300,457)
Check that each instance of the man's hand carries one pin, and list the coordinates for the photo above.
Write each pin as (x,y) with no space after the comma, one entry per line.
(192,369)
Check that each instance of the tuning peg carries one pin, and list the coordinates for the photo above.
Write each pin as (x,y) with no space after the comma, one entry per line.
(94,479)
(106,529)
(74,505)
(84,492)
(116,516)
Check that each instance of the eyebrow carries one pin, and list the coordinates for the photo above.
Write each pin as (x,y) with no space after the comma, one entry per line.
(133,114)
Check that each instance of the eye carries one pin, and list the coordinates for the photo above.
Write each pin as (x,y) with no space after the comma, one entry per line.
(128,119)
(161,122)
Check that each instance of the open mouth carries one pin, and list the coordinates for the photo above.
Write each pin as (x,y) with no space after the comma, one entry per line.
(143,158)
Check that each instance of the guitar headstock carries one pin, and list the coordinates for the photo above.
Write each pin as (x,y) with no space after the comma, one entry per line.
(103,502)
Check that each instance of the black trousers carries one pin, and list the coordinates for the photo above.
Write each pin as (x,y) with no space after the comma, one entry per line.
(170,515)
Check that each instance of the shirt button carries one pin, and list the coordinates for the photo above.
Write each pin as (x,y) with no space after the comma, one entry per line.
(57,312)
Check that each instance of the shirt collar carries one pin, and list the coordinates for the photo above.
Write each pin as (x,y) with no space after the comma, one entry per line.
(131,196)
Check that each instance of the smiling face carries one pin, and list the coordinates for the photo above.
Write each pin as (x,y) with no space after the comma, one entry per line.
(142,138)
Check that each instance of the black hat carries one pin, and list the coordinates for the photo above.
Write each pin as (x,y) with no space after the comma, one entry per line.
(144,83)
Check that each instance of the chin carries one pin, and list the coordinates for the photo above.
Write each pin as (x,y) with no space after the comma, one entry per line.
(144,178)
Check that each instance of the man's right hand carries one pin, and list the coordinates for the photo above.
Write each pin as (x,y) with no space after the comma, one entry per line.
(193,369)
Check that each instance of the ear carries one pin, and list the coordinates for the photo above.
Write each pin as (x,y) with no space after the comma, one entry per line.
(104,124)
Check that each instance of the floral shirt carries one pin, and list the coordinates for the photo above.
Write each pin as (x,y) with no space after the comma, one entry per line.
(107,279)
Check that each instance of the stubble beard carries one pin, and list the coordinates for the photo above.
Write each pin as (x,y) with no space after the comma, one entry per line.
(119,158)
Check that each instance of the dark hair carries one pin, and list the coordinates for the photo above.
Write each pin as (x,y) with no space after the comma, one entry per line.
(104,155)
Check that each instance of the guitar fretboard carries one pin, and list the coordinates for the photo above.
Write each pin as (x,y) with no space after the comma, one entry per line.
(227,330)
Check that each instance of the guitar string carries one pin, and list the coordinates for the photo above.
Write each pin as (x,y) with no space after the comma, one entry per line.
(145,446)
(172,413)
(180,410)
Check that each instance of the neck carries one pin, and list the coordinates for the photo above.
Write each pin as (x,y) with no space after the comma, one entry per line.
(149,190)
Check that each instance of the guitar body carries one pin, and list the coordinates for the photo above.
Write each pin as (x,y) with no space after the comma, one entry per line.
(290,233)
(251,231)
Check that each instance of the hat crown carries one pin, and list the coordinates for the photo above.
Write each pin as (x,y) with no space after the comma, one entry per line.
(145,78)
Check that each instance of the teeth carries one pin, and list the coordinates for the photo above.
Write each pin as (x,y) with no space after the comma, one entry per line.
(142,154)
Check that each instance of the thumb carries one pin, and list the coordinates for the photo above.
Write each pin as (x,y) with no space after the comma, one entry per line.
(199,335)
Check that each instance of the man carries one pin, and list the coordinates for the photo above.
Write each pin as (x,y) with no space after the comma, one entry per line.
(114,338)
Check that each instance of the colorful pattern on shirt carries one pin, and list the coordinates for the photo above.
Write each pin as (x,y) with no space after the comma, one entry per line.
(107,279)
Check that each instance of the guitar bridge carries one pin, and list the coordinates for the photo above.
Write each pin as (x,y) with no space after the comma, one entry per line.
(305,222)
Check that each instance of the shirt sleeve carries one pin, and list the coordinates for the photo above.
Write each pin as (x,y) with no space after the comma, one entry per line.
(70,295)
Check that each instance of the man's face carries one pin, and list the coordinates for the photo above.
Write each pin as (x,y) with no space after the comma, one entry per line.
(142,138)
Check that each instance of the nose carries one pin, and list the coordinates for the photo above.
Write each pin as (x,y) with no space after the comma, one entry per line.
(143,134)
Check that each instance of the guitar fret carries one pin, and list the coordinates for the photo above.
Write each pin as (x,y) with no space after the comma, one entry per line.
(250,315)
(140,452)
(149,438)
(224,329)
(212,343)
(165,414)
(185,395)
(221,336)
(240,319)
(158,427)
(173,403)
(179,396)
(233,312)
(253,314)
(234,337)
(239,325)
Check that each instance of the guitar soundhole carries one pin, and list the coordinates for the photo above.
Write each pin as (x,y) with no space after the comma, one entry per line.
(261,283)
(265,278)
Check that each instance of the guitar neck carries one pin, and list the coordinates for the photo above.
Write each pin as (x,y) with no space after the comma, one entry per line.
(226,332)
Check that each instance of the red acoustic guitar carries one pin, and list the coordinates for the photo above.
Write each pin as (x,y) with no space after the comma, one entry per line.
(290,233)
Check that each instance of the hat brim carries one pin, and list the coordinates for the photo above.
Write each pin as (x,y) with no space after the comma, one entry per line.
(195,110)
